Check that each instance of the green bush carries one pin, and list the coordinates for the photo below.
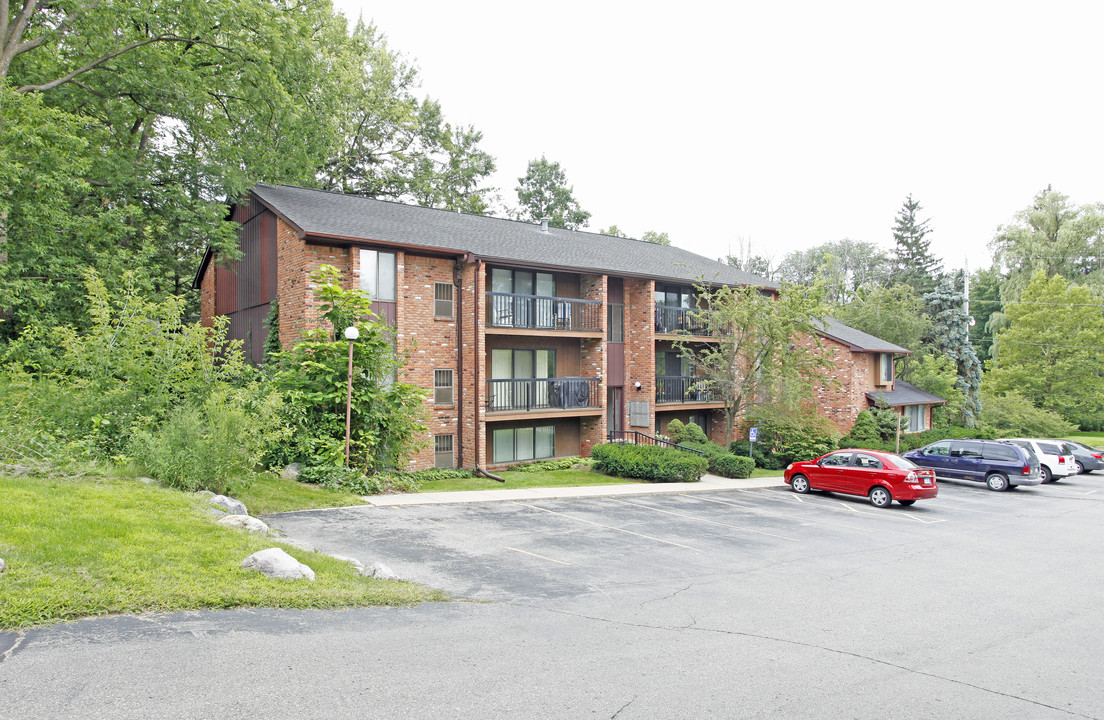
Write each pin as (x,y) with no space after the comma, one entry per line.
(786,437)
(865,430)
(1013,415)
(731,466)
(338,477)
(681,434)
(649,462)
(546,465)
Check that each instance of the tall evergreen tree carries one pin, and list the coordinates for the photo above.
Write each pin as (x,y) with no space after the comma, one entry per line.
(950,337)
(914,263)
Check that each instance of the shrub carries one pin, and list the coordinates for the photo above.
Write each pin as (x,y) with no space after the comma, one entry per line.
(786,437)
(865,430)
(681,434)
(731,466)
(649,462)
(546,465)
(1013,415)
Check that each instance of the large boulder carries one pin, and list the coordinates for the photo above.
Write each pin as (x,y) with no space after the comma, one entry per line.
(229,504)
(276,563)
(291,472)
(2,565)
(380,571)
(357,564)
(245,522)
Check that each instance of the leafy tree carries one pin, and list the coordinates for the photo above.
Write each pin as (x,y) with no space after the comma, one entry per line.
(841,266)
(1013,415)
(1054,236)
(950,336)
(614,231)
(938,374)
(657,238)
(764,349)
(1050,353)
(985,304)
(387,418)
(914,263)
(893,313)
(544,193)
(750,262)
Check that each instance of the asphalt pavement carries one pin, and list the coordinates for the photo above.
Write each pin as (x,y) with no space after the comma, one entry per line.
(749,602)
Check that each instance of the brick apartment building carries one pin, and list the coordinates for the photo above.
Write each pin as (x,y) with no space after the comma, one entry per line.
(533,341)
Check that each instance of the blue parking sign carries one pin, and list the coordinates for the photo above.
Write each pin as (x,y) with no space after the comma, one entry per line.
(753,434)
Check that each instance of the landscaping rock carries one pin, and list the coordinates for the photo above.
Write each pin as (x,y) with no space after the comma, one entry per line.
(229,504)
(148,481)
(580,466)
(357,564)
(381,571)
(291,472)
(2,565)
(244,522)
(276,563)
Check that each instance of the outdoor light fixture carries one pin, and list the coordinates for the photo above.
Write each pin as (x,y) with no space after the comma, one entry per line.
(637,385)
(351,334)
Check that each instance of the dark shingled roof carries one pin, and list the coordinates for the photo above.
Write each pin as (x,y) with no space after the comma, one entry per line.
(857,339)
(905,394)
(326,214)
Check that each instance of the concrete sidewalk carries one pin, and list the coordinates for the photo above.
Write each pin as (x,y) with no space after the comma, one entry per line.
(708,483)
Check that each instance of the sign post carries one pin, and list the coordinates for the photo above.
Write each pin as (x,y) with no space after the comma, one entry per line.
(753,434)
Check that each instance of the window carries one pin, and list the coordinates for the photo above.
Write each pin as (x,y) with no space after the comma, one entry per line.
(916,415)
(887,368)
(1005,453)
(523,282)
(674,296)
(377,274)
(521,444)
(442,387)
(941,449)
(837,459)
(442,300)
(615,323)
(521,365)
(866,461)
(442,451)
(969,449)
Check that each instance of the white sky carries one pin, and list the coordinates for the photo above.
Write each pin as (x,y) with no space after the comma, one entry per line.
(788,124)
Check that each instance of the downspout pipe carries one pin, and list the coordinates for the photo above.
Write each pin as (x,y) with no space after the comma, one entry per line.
(479,469)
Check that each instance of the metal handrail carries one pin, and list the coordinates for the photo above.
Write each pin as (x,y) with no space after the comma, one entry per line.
(683,388)
(639,438)
(540,312)
(680,321)
(543,393)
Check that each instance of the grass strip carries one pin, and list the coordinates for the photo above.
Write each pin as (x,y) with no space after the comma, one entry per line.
(77,548)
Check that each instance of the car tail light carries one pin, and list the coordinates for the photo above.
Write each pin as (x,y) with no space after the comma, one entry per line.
(1061,459)
(912,477)
(1098,457)
(1026,470)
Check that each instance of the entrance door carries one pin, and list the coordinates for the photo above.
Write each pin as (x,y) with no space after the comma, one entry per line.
(615,401)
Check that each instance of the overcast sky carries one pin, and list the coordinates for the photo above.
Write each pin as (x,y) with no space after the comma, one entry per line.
(786,124)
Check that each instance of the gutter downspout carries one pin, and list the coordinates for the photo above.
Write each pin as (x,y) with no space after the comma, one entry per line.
(479,470)
(458,282)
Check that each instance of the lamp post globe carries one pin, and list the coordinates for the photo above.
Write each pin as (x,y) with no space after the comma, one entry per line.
(352,333)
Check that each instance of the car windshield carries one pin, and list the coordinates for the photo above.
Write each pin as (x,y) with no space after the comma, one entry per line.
(903,463)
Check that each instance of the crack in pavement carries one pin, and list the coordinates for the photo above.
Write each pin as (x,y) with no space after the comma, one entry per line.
(16,641)
(668,596)
(799,643)
(630,702)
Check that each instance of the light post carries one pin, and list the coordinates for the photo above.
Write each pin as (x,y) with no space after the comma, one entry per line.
(351,334)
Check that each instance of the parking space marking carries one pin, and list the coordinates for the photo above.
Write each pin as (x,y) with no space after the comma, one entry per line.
(891,514)
(609,527)
(803,518)
(542,557)
(704,520)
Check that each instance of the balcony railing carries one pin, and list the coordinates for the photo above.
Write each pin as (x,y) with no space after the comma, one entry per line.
(680,321)
(543,394)
(683,389)
(507,310)
(633,437)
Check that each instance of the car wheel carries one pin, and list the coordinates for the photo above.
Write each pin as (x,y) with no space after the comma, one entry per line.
(1080,468)
(906,503)
(880,497)
(1045,471)
(997,482)
(800,484)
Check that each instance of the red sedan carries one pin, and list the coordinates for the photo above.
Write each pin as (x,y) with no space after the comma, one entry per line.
(881,476)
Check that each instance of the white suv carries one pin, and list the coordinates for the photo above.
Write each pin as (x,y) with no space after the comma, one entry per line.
(1054,461)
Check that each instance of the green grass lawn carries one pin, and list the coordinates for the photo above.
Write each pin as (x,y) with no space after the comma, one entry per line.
(270,493)
(1094,439)
(76,548)
(551,478)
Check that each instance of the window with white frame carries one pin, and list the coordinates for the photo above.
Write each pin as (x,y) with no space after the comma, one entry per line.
(377,274)
(442,387)
(443,456)
(886,372)
(916,415)
(442,300)
(521,444)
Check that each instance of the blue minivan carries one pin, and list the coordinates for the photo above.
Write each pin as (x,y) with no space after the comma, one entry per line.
(998,464)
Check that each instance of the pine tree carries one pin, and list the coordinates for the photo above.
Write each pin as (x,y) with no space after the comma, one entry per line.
(950,336)
(914,263)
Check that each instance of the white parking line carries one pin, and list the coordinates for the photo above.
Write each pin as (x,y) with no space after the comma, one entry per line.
(704,520)
(803,518)
(609,527)
(890,515)
(542,557)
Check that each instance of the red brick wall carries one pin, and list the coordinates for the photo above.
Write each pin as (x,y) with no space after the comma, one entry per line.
(473,348)
(295,292)
(854,374)
(430,344)
(640,347)
(592,360)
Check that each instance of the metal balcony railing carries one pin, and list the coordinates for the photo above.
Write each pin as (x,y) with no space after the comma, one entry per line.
(543,394)
(680,321)
(508,310)
(681,389)
(633,437)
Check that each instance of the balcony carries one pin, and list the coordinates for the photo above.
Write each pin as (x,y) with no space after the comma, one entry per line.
(568,393)
(536,312)
(680,321)
(683,389)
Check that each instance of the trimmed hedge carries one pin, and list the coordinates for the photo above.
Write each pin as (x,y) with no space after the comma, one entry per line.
(544,465)
(722,462)
(648,462)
